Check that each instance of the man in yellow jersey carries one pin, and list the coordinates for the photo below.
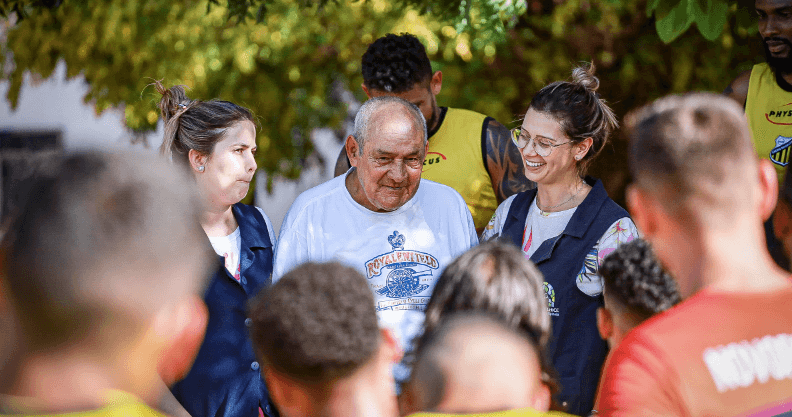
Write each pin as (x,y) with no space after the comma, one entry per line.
(103,272)
(468,151)
(765,91)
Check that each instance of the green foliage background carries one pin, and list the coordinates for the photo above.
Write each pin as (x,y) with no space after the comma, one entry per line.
(285,63)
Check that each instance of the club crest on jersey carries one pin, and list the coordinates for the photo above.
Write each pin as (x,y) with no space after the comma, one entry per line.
(432,159)
(550,296)
(406,272)
(780,153)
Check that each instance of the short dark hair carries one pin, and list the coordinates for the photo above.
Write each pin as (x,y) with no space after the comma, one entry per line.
(785,189)
(693,145)
(395,63)
(87,254)
(195,124)
(429,378)
(494,278)
(635,279)
(579,109)
(316,324)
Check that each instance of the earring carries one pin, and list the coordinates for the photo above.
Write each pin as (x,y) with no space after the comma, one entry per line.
(201,168)
(577,157)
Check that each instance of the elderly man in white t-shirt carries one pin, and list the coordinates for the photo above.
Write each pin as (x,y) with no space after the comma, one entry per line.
(380,218)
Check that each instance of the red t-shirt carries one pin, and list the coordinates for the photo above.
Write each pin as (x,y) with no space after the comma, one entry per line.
(715,354)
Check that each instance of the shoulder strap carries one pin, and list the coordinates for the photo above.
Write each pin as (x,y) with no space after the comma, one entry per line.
(515,220)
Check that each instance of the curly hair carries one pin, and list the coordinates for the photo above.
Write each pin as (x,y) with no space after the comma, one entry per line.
(635,279)
(317,324)
(395,63)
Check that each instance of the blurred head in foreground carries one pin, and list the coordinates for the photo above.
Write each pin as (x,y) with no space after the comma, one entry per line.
(636,288)
(493,278)
(475,363)
(316,334)
(104,266)
(699,188)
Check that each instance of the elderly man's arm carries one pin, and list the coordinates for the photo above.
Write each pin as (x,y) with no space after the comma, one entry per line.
(504,161)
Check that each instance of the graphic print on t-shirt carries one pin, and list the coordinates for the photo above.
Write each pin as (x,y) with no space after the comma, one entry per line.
(401,276)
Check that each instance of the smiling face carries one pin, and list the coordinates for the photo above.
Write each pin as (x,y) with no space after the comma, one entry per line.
(775,27)
(561,164)
(230,168)
(388,171)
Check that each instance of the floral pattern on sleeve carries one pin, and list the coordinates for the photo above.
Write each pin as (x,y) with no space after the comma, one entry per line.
(620,232)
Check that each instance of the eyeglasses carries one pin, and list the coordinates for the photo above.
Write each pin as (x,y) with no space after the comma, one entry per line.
(542,147)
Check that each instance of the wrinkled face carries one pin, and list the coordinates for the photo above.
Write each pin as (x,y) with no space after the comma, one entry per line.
(775,27)
(561,163)
(420,95)
(230,168)
(389,168)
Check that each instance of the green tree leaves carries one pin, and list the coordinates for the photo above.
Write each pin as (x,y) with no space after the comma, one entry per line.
(672,19)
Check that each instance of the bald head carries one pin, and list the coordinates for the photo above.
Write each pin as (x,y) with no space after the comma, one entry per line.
(474,363)
(694,153)
(387,112)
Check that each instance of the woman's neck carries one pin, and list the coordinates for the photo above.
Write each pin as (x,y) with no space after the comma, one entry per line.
(218,221)
(562,195)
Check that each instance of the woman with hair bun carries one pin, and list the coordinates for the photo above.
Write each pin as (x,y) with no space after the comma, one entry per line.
(216,140)
(567,225)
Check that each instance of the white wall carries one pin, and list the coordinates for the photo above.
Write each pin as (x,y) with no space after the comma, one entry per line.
(57,104)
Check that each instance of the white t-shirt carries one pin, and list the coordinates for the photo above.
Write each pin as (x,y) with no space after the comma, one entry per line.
(229,247)
(401,253)
(540,226)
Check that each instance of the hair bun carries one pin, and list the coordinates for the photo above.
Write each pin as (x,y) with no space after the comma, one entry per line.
(585,76)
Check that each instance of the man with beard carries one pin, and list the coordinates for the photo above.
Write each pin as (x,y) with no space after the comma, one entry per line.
(765,91)
(468,151)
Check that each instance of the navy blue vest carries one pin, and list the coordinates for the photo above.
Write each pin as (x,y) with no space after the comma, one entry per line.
(576,348)
(225,379)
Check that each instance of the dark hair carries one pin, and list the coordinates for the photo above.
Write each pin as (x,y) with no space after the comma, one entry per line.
(689,145)
(84,259)
(785,189)
(496,278)
(316,324)
(579,109)
(439,354)
(195,124)
(636,281)
(395,63)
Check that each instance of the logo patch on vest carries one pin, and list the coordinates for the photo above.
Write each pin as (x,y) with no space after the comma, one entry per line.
(407,273)
(781,116)
(432,159)
(780,154)
(550,296)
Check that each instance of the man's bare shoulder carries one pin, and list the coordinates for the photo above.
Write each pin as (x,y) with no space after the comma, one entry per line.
(738,89)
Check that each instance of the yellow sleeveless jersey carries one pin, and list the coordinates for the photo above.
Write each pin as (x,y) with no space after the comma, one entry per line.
(769,111)
(455,159)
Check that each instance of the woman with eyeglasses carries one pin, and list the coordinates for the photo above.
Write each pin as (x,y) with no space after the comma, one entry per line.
(567,225)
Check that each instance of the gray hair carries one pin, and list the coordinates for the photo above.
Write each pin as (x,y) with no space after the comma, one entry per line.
(372,105)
